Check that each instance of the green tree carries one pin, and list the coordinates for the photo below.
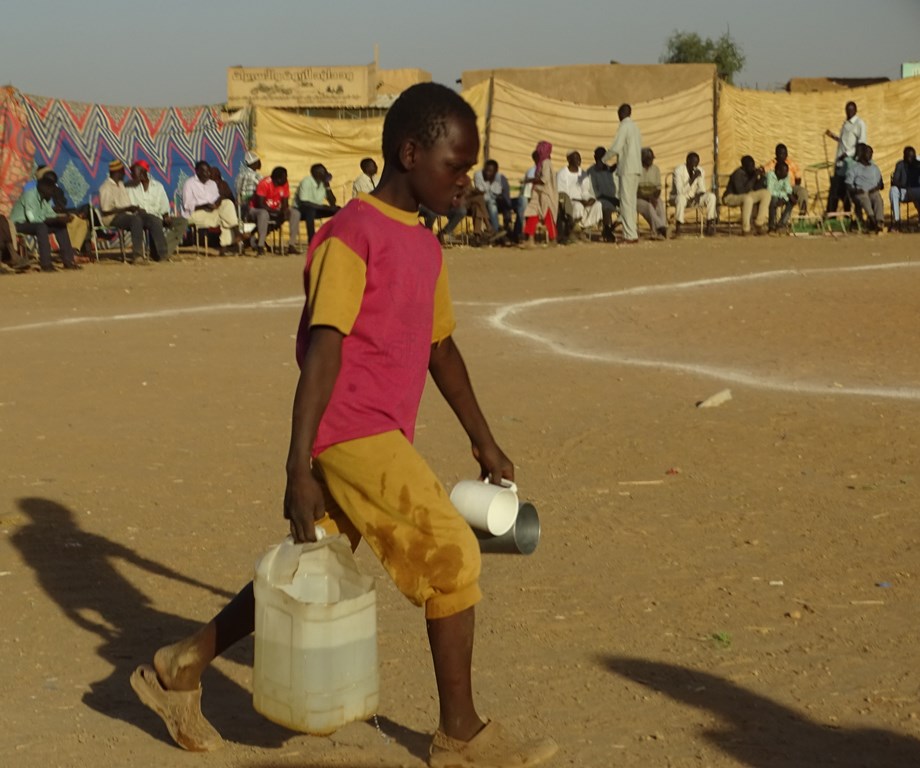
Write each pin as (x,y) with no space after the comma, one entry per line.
(690,48)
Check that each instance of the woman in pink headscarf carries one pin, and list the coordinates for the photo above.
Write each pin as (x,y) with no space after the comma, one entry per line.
(544,200)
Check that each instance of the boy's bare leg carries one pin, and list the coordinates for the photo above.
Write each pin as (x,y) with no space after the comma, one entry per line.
(180,666)
(451,641)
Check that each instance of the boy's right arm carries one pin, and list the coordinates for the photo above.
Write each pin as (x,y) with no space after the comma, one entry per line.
(303,497)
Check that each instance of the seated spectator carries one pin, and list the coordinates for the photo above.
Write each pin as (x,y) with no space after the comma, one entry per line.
(781,195)
(8,254)
(367,181)
(249,178)
(604,189)
(544,199)
(34,215)
(78,226)
(795,176)
(689,191)
(269,205)
(152,202)
(905,186)
(203,206)
(496,194)
(226,193)
(315,200)
(649,202)
(864,182)
(747,189)
(455,215)
(119,212)
(572,185)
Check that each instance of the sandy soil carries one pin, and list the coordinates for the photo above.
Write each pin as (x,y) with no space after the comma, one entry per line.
(757,606)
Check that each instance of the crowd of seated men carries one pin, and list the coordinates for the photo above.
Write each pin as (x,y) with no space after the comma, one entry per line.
(571,204)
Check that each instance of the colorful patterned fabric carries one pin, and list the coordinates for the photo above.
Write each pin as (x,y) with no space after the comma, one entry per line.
(16,149)
(79,140)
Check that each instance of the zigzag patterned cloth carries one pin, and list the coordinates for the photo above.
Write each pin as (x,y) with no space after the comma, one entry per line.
(79,140)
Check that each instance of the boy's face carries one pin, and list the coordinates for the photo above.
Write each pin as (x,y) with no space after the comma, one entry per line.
(438,174)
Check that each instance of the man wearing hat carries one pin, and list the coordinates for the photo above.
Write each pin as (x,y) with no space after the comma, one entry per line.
(152,202)
(118,211)
(33,214)
(249,178)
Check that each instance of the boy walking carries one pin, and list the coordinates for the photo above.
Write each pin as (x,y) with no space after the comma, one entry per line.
(377,317)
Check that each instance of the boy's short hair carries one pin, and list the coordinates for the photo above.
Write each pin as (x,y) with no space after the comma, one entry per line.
(421,112)
(365,162)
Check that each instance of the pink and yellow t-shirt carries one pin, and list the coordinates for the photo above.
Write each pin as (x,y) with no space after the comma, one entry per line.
(378,276)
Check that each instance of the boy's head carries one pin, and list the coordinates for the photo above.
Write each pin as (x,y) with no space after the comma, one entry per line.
(781,153)
(430,139)
(781,169)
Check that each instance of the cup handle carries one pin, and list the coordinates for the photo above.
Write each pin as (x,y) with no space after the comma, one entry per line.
(504,483)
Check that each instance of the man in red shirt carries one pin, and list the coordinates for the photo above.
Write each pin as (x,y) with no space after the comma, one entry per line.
(269,204)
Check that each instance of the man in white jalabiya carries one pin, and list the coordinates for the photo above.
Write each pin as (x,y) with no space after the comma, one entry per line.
(573,182)
(627,148)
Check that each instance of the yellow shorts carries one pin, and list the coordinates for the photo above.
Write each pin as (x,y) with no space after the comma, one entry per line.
(381,489)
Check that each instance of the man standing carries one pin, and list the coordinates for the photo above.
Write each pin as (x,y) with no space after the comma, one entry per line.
(627,148)
(33,215)
(149,196)
(315,200)
(118,211)
(852,132)
(648,196)
(690,192)
(747,188)
(270,203)
(604,189)
(905,186)
(864,181)
(205,208)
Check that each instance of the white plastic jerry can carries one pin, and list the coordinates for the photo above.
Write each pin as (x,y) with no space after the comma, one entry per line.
(316,637)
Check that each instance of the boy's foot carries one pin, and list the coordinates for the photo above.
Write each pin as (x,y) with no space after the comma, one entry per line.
(492,747)
(160,687)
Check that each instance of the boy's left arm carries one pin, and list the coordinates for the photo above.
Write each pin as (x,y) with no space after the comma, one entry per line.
(449,373)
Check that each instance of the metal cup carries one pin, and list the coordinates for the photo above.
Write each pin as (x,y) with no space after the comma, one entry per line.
(522,539)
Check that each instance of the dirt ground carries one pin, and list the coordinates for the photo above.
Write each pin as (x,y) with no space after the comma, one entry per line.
(735,586)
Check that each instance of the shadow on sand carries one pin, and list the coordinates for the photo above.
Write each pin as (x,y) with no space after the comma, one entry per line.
(77,570)
(760,733)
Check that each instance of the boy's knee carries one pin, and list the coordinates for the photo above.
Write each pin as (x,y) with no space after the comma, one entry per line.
(452,574)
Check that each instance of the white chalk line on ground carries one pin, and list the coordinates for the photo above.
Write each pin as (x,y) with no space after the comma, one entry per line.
(287,303)
(500,320)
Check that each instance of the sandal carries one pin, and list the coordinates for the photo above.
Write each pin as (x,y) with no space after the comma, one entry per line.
(179,710)
(492,747)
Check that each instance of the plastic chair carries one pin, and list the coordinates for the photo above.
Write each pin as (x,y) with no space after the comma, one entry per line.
(97,227)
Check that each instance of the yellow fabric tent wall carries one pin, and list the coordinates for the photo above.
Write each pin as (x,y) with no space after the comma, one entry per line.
(672,126)
(297,142)
(754,122)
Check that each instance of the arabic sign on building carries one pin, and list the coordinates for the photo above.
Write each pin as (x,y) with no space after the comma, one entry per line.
(301,86)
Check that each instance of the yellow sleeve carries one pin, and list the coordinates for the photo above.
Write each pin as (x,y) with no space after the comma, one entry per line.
(444,322)
(337,280)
